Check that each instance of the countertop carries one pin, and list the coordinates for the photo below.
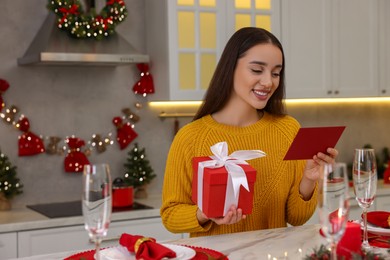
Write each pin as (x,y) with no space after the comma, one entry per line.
(281,243)
(23,218)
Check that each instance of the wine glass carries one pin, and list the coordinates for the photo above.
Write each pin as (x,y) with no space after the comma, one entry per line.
(96,202)
(333,203)
(364,174)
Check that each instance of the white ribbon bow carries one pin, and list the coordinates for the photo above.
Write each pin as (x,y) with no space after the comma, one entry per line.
(236,175)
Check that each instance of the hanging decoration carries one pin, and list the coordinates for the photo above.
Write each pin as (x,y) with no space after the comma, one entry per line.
(145,85)
(125,132)
(77,149)
(29,143)
(80,24)
(75,159)
(3,87)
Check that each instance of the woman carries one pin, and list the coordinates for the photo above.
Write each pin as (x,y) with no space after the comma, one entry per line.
(244,107)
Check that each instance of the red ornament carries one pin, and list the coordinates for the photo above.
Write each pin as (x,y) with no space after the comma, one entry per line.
(29,143)
(145,85)
(125,133)
(75,159)
(4,85)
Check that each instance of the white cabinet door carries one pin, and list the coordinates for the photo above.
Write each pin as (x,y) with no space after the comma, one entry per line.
(355,48)
(8,245)
(52,240)
(384,50)
(382,203)
(331,48)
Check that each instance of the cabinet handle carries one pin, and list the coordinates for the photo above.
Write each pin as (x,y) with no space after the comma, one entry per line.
(383,91)
(329,92)
(336,92)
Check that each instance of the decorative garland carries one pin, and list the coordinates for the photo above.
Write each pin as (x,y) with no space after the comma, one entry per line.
(31,144)
(73,19)
(322,253)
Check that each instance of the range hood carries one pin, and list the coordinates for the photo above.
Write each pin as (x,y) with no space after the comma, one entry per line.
(52,46)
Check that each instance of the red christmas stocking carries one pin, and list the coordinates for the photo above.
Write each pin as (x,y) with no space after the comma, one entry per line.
(29,143)
(75,159)
(125,134)
(145,84)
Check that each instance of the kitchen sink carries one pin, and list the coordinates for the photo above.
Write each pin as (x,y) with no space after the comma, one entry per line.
(73,208)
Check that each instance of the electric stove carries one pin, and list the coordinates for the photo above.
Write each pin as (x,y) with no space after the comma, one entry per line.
(73,208)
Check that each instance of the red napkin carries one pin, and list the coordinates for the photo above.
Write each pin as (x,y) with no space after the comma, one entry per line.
(145,248)
(350,243)
(379,218)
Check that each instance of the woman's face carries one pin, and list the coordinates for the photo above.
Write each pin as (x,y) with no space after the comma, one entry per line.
(257,75)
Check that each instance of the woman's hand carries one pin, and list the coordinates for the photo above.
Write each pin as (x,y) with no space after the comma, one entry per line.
(312,171)
(233,216)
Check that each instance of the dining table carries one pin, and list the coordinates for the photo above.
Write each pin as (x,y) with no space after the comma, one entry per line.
(280,243)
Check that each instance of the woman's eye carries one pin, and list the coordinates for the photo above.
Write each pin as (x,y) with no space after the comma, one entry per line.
(257,71)
(276,75)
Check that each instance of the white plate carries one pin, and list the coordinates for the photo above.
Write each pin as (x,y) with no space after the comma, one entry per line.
(375,229)
(121,253)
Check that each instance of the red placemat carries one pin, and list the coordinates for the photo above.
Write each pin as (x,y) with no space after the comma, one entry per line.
(86,255)
(205,253)
(201,254)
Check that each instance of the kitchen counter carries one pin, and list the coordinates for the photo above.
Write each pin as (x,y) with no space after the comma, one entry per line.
(281,243)
(23,218)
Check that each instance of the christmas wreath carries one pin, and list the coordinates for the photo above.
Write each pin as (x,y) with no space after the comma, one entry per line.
(80,24)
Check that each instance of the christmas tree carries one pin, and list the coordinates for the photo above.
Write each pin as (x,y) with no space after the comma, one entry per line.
(9,184)
(138,169)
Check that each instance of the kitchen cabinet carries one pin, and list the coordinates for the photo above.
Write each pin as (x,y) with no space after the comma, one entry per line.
(74,238)
(185,39)
(382,203)
(384,43)
(8,248)
(332,49)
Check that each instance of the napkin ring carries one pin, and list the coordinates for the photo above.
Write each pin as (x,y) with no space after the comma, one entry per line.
(140,241)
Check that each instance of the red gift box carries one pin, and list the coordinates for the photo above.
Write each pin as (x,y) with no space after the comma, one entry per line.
(215,181)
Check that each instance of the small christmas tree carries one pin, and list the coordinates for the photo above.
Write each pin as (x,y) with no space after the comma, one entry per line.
(9,184)
(138,169)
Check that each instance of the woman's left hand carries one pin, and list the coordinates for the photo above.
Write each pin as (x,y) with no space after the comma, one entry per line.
(312,169)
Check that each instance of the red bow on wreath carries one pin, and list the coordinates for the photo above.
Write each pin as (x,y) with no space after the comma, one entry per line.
(75,159)
(4,85)
(29,143)
(125,133)
(145,84)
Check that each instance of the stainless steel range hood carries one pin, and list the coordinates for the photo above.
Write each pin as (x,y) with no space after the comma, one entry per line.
(51,46)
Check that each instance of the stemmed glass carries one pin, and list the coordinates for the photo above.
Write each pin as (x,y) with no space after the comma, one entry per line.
(96,202)
(364,174)
(333,203)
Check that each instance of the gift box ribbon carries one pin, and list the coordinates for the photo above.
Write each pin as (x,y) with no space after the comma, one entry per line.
(236,175)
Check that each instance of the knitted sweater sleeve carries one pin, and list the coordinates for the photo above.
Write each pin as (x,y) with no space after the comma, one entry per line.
(178,212)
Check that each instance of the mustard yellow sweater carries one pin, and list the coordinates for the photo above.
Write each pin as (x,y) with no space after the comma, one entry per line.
(276,194)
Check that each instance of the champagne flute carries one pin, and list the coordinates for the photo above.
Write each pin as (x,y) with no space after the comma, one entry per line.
(333,203)
(364,174)
(96,202)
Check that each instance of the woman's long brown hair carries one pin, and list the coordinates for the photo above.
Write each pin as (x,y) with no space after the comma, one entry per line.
(221,84)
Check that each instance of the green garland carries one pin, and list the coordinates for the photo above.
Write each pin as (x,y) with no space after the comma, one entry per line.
(322,253)
(71,18)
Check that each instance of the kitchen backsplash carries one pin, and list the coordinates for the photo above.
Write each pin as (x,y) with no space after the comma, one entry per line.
(82,101)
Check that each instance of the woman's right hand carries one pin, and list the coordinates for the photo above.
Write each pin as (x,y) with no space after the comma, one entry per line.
(233,216)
